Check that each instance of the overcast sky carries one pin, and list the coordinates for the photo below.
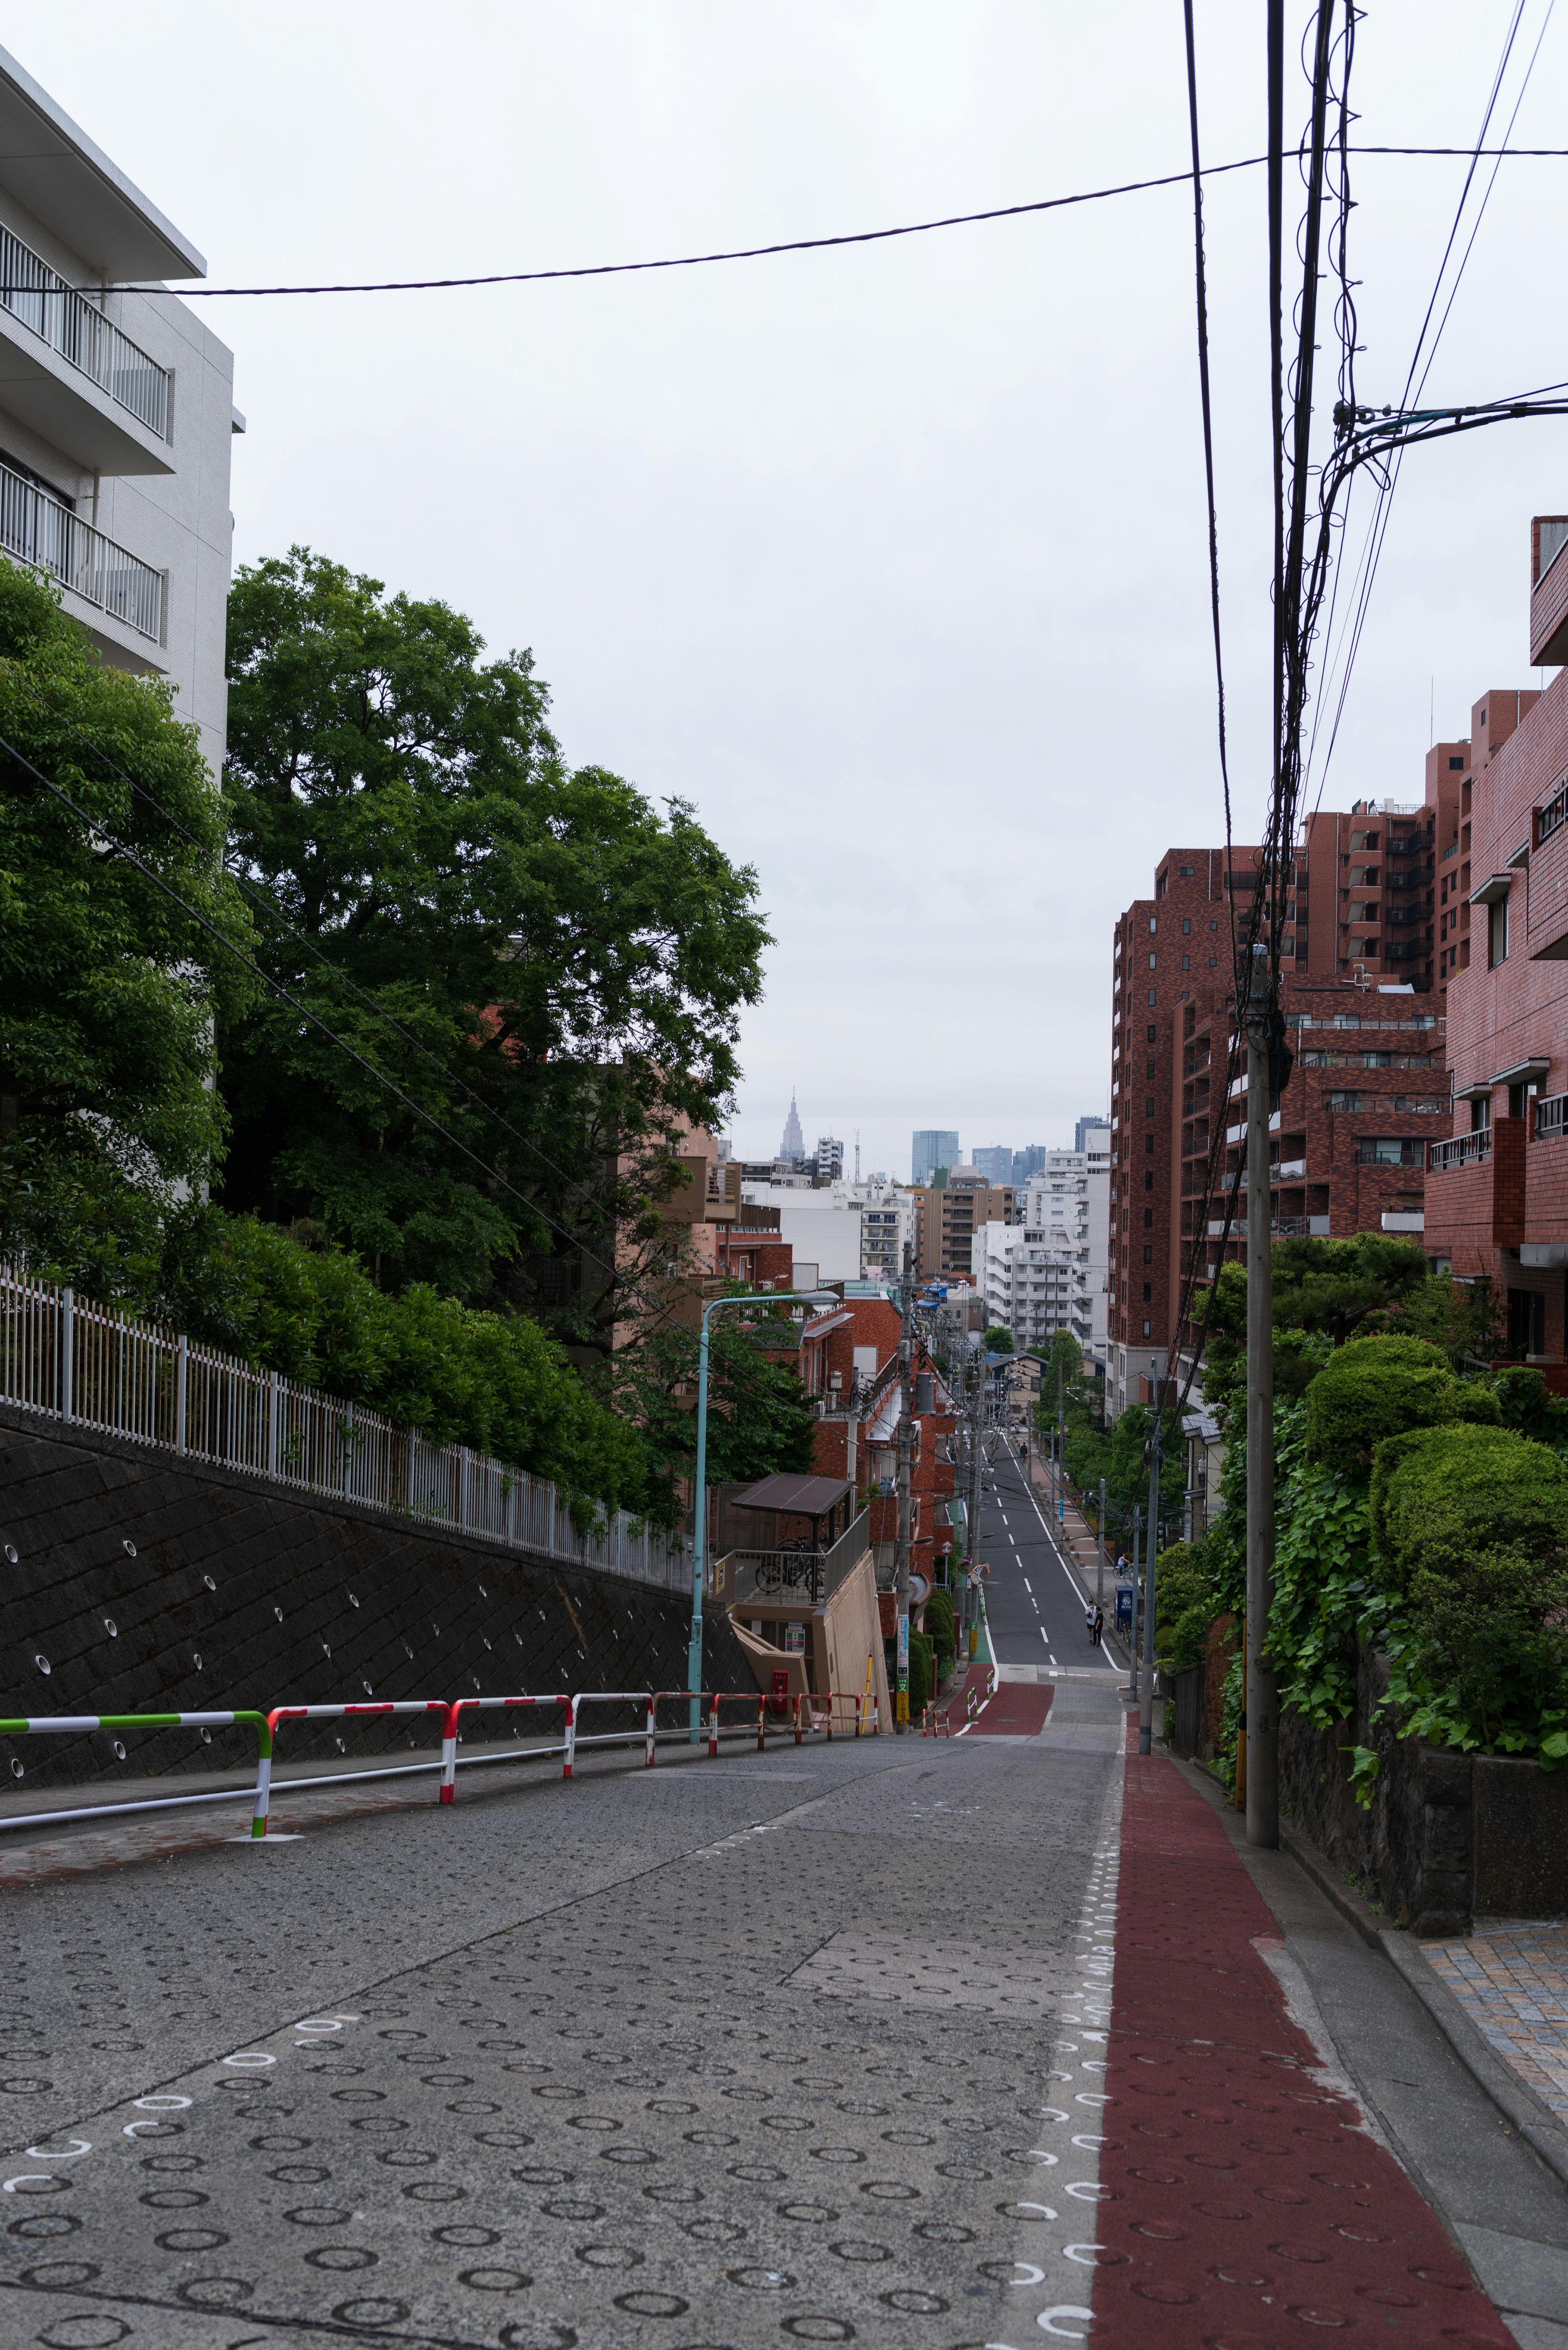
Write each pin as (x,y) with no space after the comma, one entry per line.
(890,559)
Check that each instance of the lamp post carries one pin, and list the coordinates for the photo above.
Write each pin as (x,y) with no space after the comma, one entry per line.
(700,1517)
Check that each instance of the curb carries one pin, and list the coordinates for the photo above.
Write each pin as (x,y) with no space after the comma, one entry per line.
(1526,2113)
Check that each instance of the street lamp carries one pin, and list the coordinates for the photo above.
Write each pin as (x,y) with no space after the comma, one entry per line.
(694,1654)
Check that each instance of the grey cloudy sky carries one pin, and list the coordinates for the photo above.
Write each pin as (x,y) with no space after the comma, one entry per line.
(890,559)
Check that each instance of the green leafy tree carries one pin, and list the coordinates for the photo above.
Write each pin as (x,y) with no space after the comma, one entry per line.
(548,966)
(759,1420)
(1328,1287)
(109,987)
(999,1340)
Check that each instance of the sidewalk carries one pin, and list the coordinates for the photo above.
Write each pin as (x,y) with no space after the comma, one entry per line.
(1243,2198)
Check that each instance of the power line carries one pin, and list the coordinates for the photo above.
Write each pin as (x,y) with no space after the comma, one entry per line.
(295,1002)
(761,252)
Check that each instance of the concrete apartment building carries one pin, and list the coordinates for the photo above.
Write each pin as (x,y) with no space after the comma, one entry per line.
(1497,1191)
(1367,1096)
(947,1216)
(116,408)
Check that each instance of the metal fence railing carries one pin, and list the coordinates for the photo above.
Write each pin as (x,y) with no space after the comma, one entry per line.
(39,530)
(77,330)
(1464,1151)
(91,1366)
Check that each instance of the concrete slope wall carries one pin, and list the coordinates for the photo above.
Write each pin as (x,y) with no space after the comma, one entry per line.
(148,1584)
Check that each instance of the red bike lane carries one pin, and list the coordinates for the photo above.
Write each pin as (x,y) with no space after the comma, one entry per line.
(1241,2205)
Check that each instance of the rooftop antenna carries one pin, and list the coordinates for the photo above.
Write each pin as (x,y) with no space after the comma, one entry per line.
(857,1154)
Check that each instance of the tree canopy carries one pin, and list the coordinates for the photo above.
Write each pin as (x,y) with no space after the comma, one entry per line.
(550,967)
(112,972)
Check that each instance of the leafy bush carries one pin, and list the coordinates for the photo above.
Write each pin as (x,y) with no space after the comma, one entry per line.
(939,1617)
(1491,1633)
(1439,1493)
(921,1672)
(1375,1387)
(495,1381)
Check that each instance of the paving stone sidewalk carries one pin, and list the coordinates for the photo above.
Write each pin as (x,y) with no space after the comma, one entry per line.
(1512,1980)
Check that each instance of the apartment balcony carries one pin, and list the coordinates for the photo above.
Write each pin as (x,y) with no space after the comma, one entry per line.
(1288,1170)
(1475,1190)
(38,529)
(75,378)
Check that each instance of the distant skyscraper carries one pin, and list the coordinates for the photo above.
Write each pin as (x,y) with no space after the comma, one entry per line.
(1099,1127)
(793,1143)
(934,1147)
(1027,1163)
(829,1158)
(996,1164)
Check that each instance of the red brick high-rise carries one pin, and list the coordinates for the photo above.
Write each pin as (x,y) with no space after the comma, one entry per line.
(1358,972)
(1497,1194)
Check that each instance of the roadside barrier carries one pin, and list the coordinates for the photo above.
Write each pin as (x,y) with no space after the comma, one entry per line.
(337,1778)
(530,1753)
(62,1725)
(266,1726)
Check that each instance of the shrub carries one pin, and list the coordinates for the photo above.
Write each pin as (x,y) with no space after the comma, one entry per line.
(1440,1494)
(1492,1632)
(921,1663)
(939,1619)
(1374,1388)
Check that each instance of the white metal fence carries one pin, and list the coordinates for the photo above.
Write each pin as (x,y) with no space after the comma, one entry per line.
(77,330)
(90,1366)
(41,531)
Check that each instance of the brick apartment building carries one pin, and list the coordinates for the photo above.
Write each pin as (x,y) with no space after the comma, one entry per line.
(1497,1191)
(849,1368)
(948,1215)
(1359,920)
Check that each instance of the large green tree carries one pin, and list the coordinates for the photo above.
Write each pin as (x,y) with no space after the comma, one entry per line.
(759,1420)
(548,966)
(114,909)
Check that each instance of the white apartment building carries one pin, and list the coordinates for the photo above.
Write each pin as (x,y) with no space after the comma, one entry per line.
(1048,1271)
(850,1232)
(116,408)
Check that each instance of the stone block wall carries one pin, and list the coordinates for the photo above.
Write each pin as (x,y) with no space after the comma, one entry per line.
(145,1583)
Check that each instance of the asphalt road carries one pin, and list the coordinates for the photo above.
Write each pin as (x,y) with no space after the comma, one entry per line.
(1033,1598)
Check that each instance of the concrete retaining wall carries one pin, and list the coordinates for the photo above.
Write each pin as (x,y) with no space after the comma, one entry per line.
(1447,1837)
(145,1583)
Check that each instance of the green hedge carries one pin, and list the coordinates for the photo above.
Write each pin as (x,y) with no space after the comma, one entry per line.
(1439,1492)
(1373,1388)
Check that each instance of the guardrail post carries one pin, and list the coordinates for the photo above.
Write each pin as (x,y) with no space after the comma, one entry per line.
(713,1726)
(263,1773)
(68,1352)
(798,1733)
(857,1705)
(449,1756)
(761,1725)
(182,1390)
(571,1705)
(652,1710)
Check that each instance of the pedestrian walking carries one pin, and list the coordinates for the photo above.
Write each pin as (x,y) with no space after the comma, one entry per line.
(1099,1625)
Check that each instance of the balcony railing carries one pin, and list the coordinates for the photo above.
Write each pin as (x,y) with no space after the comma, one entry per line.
(71,325)
(808,1576)
(39,530)
(1464,1151)
(1551,1118)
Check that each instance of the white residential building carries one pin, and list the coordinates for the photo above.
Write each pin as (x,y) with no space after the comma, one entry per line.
(116,408)
(827,1226)
(1048,1272)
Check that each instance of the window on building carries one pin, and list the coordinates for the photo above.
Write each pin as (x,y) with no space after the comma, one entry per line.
(1186,963)
(1153,922)
(1497,938)
(1148,1253)
(1480,1114)
(1526,1321)
(1187,925)
(1454,764)
(1377,1060)
(1517,1097)
(1148,1333)
(1149,1179)
(1154,963)
(1347,1101)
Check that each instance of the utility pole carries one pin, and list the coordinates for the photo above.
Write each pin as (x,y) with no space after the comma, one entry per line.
(1261,1714)
(901,1552)
(1061,1442)
(1136,1603)
(1151,1551)
(1100,1552)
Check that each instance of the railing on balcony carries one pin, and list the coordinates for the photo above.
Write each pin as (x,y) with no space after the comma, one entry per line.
(39,530)
(810,1576)
(1464,1151)
(1551,1118)
(71,325)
